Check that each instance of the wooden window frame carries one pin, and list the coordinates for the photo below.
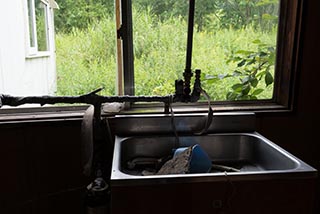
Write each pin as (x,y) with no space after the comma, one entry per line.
(286,68)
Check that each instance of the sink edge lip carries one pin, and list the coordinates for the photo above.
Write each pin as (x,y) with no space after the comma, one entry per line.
(130,180)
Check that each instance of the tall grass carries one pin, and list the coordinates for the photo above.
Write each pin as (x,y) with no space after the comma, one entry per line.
(159,49)
(86,58)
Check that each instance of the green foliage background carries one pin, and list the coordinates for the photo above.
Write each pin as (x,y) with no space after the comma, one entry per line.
(85,42)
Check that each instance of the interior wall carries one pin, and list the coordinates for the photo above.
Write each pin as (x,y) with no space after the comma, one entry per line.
(41,171)
(298,132)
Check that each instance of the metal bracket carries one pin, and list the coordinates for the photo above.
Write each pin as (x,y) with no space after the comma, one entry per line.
(120,32)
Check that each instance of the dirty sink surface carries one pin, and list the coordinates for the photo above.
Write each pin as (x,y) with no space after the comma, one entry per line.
(242,166)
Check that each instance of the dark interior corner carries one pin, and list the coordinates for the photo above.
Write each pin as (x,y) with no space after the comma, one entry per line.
(41,164)
(297,131)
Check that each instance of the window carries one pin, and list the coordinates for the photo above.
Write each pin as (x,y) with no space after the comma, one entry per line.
(145,51)
(38,12)
(151,46)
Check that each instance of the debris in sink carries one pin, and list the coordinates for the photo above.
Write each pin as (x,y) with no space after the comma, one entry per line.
(185,160)
(222,168)
(234,166)
(179,164)
(191,159)
(144,162)
(147,172)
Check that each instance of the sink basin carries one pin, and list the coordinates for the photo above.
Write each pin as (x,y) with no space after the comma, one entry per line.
(251,153)
(267,174)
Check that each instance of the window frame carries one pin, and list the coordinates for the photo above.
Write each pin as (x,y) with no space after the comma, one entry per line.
(290,23)
(286,68)
(33,49)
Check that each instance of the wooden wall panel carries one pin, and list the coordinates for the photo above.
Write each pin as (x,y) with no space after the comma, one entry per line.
(41,168)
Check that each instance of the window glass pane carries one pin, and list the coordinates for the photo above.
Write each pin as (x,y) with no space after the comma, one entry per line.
(159,34)
(42,25)
(31,23)
(234,46)
(85,47)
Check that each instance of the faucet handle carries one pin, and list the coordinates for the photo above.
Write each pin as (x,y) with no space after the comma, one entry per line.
(196,87)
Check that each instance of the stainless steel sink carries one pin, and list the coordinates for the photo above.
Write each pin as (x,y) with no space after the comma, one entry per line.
(251,153)
(270,179)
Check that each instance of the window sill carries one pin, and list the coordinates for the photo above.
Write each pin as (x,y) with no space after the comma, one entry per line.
(262,106)
(58,113)
(38,55)
(40,114)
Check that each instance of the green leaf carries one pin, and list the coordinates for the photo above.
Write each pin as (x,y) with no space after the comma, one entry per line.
(257,92)
(261,54)
(245,80)
(246,89)
(268,78)
(244,52)
(203,75)
(237,87)
(211,81)
(257,41)
(248,71)
(253,97)
(260,74)
(242,63)
(243,97)
(254,82)
(237,58)
(231,96)
(252,61)
(271,59)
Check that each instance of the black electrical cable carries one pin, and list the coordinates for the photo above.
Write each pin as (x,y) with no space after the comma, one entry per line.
(173,124)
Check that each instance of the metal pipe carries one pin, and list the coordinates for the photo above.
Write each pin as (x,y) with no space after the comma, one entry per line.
(190,34)
(188,72)
(90,98)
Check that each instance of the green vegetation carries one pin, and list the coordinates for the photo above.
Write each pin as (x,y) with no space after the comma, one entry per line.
(253,70)
(41,26)
(227,49)
(86,59)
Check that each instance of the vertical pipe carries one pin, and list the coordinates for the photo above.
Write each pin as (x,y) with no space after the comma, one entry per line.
(190,34)
(188,73)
